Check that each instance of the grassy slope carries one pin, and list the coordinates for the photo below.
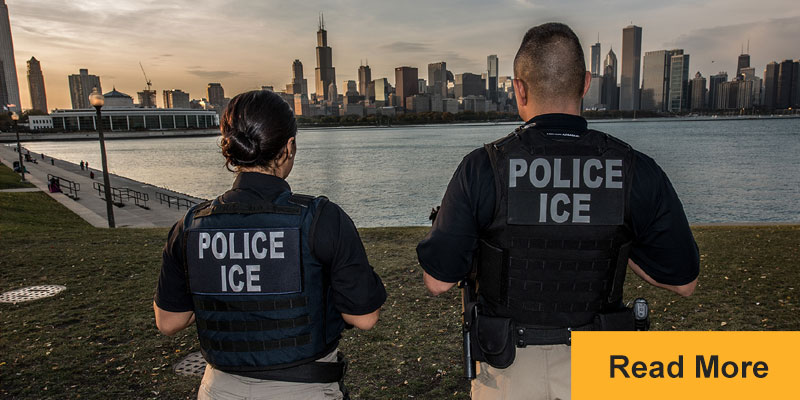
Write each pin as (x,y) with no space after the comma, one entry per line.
(10,179)
(99,335)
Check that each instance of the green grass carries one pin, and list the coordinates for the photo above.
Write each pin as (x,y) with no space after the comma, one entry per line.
(11,180)
(98,338)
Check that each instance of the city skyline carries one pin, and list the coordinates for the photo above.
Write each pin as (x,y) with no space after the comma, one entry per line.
(211,48)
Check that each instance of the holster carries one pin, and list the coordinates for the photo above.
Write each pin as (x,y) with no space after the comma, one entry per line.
(493,342)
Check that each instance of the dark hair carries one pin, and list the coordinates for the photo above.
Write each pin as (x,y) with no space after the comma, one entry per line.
(550,62)
(255,128)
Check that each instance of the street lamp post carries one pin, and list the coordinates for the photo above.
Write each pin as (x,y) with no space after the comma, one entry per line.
(97,101)
(15,118)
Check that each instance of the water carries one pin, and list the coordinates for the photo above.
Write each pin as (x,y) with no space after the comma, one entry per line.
(724,171)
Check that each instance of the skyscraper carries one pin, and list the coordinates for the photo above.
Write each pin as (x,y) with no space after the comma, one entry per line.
(468,84)
(596,71)
(742,62)
(437,78)
(325,73)
(631,68)
(216,94)
(147,98)
(796,85)
(492,65)
(679,82)
(771,85)
(36,85)
(176,99)
(714,82)
(364,78)
(80,87)
(299,84)
(406,82)
(610,91)
(698,92)
(785,79)
(655,80)
(10,85)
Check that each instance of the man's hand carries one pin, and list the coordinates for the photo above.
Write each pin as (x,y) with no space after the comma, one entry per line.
(435,286)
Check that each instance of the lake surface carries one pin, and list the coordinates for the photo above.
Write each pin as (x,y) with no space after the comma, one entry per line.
(724,171)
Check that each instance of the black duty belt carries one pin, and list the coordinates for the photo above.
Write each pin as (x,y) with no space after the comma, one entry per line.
(622,320)
(313,372)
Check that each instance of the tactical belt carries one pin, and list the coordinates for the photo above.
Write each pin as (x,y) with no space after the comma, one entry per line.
(526,335)
(313,372)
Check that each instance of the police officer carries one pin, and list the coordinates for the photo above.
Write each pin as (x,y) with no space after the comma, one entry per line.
(270,277)
(551,216)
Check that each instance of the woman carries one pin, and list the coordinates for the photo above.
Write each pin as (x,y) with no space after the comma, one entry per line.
(271,278)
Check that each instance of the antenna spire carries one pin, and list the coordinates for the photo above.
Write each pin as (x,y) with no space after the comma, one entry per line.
(748,46)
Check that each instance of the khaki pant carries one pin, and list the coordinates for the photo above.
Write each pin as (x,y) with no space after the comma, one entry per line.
(218,385)
(538,372)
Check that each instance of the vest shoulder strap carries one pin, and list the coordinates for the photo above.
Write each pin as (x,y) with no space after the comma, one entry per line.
(302,200)
(242,208)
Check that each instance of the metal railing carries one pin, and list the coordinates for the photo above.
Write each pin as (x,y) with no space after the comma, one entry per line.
(119,195)
(176,200)
(66,186)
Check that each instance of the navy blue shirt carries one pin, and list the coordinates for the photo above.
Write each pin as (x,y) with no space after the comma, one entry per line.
(663,244)
(357,289)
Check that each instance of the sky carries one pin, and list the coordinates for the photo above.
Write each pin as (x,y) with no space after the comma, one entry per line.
(244,44)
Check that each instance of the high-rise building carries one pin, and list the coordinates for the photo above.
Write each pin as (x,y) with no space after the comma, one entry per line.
(596,71)
(364,78)
(36,85)
(698,91)
(714,81)
(437,78)
(610,89)
(351,95)
(771,85)
(631,68)
(742,62)
(147,98)
(492,65)
(679,82)
(80,87)
(468,84)
(382,91)
(299,84)
(9,84)
(325,73)
(216,94)
(176,99)
(406,81)
(785,80)
(796,85)
(593,100)
(655,80)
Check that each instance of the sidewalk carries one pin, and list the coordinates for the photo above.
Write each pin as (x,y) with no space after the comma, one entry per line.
(90,206)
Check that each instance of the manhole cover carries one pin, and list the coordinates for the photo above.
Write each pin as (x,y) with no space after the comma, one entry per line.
(31,293)
(193,364)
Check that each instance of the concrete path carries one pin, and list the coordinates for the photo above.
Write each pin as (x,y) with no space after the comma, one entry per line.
(21,190)
(90,206)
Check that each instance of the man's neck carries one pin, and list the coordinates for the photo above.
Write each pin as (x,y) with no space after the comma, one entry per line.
(534,110)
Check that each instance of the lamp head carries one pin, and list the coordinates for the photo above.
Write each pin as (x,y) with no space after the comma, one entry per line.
(96,98)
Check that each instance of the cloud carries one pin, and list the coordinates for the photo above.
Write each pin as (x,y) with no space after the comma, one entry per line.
(212,74)
(406,47)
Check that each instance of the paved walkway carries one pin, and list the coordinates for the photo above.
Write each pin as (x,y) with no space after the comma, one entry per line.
(89,205)
(21,190)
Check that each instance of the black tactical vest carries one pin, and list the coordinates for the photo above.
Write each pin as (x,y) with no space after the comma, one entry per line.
(556,253)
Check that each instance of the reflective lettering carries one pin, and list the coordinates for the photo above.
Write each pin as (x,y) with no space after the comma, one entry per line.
(219,246)
(274,244)
(543,207)
(236,287)
(247,245)
(613,170)
(540,183)
(252,278)
(587,173)
(205,242)
(259,254)
(580,203)
(554,214)
(224,279)
(557,181)
(576,173)
(516,169)
(231,245)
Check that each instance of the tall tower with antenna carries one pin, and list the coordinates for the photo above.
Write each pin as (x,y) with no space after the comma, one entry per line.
(325,73)
(744,59)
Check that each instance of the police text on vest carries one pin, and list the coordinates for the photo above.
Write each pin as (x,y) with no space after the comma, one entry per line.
(241,246)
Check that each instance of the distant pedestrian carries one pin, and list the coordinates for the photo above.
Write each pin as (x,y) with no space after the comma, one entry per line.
(91,174)
(42,156)
(86,164)
(81,165)
(52,161)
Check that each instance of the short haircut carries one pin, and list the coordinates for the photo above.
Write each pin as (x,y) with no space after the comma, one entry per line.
(550,62)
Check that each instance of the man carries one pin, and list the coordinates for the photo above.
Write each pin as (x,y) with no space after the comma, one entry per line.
(551,216)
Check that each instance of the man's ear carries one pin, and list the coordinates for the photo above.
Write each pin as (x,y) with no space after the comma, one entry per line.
(521,92)
(587,81)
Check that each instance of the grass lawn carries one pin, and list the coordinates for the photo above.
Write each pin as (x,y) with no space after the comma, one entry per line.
(11,180)
(98,338)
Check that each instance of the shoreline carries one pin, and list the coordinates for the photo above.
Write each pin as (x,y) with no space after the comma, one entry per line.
(10,137)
